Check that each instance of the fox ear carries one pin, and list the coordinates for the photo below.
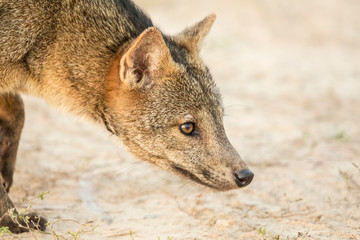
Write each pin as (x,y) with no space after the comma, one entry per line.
(143,61)
(192,37)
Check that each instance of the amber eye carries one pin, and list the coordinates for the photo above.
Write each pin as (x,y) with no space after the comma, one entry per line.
(187,128)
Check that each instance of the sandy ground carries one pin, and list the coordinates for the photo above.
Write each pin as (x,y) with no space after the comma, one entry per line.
(289,72)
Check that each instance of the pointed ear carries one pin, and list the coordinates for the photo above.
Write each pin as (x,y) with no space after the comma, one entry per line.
(192,37)
(143,61)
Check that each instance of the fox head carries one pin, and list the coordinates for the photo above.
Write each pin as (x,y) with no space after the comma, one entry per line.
(162,102)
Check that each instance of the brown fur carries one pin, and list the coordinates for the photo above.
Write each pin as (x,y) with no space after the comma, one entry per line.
(104,60)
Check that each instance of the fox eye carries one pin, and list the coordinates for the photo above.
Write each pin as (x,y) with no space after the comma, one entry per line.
(187,128)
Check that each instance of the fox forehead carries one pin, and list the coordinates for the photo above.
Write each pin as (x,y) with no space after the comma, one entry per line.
(195,78)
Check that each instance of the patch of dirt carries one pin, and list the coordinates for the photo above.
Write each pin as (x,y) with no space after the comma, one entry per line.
(289,72)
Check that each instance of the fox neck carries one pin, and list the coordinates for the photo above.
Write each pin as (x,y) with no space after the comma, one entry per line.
(77,89)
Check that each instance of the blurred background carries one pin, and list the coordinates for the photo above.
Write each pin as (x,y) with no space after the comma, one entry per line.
(289,73)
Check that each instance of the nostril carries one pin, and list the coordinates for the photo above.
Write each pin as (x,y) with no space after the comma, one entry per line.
(244,177)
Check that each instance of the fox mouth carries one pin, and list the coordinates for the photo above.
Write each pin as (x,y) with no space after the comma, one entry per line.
(187,174)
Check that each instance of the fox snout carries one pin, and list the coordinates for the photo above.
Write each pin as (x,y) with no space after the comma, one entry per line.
(220,177)
(210,161)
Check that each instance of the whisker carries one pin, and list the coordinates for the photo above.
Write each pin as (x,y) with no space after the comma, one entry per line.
(122,169)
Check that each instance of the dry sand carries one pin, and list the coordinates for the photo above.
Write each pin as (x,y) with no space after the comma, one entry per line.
(289,72)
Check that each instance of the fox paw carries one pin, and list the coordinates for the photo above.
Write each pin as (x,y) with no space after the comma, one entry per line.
(23,223)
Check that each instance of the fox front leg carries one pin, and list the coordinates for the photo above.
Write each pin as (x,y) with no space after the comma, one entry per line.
(11,124)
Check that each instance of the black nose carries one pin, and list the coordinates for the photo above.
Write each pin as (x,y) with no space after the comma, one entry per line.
(244,177)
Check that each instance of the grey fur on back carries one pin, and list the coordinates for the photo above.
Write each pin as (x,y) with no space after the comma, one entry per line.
(25,25)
